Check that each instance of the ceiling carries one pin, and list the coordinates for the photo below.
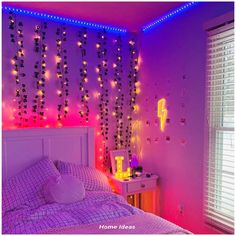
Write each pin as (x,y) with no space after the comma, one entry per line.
(129,15)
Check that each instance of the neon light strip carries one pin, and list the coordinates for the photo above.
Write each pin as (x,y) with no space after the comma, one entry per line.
(167,16)
(64,20)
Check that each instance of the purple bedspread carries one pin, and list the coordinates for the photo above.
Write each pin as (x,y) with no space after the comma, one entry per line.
(87,216)
(36,216)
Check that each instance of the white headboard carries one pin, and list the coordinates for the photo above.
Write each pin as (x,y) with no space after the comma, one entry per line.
(23,147)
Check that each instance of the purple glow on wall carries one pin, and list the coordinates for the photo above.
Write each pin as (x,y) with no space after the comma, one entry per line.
(167,16)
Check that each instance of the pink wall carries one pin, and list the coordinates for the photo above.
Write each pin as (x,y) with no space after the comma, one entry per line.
(173,66)
(9,105)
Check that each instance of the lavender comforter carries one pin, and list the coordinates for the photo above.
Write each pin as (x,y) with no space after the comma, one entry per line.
(38,217)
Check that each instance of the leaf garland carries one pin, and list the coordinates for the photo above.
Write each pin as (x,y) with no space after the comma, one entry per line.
(84,110)
(40,49)
(102,70)
(17,38)
(133,79)
(62,74)
(119,99)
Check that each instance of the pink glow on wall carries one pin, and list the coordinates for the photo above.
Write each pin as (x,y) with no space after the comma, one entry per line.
(174,54)
(9,105)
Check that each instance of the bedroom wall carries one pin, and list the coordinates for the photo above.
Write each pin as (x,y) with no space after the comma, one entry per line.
(11,119)
(173,63)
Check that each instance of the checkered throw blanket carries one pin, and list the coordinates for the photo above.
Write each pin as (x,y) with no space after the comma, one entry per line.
(99,206)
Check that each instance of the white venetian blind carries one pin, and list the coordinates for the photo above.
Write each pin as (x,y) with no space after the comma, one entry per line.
(220,114)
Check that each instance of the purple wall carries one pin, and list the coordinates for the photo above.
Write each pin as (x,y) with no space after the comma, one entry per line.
(173,62)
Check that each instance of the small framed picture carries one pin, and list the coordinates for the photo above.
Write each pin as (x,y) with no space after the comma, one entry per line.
(121,154)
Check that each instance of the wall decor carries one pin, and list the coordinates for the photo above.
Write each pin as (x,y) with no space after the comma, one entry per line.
(183,141)
(120,163)
(17,61)
(119,99)
(162,113)
(83,88)
(68,96)
(167,138)
(149,141)
(62,75)
(156,140)
(133,85)
(40,49)
(102,71)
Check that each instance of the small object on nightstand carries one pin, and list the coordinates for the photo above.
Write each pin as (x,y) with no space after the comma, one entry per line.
(148,175)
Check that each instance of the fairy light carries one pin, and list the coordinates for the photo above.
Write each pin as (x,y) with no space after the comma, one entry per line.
(57,59)
(59,92)
(134,90)
(14,72)
(17,61)
(113,84)
(119,102)
(83,91)
(62,75)
(102,71)
(40,49)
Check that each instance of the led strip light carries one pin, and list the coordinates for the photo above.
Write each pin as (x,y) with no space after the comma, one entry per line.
(64,20)
(167,16)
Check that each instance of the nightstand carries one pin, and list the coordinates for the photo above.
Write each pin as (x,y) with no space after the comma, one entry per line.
(135,187)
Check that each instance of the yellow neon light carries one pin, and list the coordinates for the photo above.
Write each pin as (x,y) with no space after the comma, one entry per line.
(120,174)
(162,113)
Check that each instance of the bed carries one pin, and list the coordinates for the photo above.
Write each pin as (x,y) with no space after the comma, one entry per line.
(29,160)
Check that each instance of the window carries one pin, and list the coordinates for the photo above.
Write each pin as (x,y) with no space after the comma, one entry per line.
(220,116)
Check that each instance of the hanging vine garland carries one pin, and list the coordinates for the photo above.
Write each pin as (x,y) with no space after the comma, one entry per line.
(62,75)
(102,70)
(39,75)
(133,82)
(17,38)
(117,82)
(84,111)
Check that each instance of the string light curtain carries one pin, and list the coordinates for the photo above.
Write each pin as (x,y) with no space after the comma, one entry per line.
(220,174)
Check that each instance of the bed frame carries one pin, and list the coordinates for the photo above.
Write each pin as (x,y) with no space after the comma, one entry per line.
(23,147)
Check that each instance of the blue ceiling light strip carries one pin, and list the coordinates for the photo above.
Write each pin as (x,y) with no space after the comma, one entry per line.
(167,16)
(64,20)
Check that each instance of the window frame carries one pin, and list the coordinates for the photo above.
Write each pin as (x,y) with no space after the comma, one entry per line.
(213,27)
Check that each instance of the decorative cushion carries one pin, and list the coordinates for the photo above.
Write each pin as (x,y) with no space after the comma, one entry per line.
(93,179)
(64,189)
(21,188)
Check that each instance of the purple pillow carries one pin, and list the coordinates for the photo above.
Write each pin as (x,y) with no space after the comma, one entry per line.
(28,184)
(93,179)
(64,189)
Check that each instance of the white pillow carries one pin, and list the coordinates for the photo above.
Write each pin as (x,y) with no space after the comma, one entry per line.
(64,189)
(93,179)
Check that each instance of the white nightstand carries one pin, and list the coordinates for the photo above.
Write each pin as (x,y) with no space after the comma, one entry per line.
(138,186)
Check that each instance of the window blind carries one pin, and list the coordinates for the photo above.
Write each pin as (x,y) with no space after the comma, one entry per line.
(219,200)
